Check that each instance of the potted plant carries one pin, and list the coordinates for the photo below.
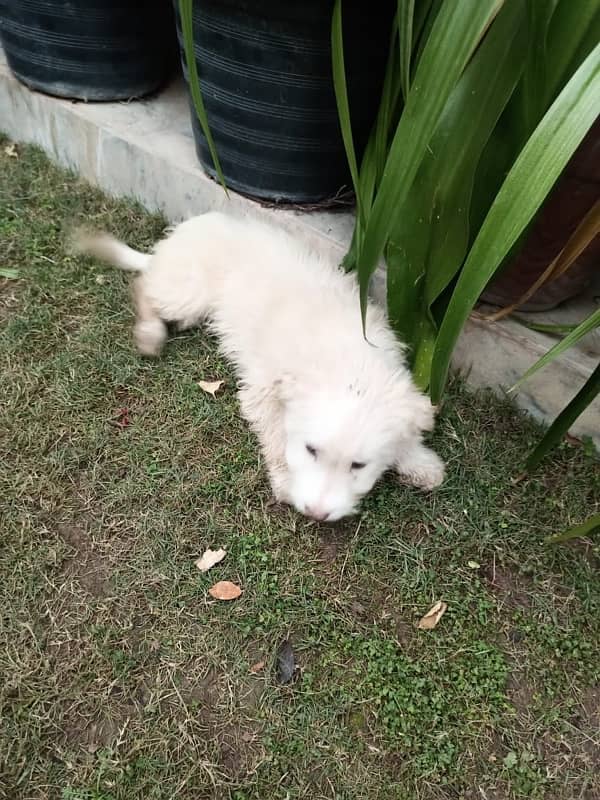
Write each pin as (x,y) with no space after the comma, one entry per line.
(91,50)
(264,108)
(484,105)
(568,222)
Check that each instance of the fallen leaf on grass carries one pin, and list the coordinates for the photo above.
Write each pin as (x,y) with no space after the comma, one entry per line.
(257,667)
(210,558)
(11,150)
(225,590)
(210,387)
(432,617)
(286,663)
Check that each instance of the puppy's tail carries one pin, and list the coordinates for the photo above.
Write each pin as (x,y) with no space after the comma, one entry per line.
(107,248)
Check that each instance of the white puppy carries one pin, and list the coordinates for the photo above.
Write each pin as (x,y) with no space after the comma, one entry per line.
(331,410)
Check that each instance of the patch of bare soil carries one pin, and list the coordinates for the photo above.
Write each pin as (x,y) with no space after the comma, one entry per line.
(204,690)
(93,729)
(331,548)
(224,719)
(585,723)
(8,298)
(520,693)
(508,586)
(88,566)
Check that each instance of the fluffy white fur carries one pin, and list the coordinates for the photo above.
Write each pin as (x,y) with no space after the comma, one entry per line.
(332,411)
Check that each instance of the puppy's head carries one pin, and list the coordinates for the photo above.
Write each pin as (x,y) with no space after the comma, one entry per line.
(339,441)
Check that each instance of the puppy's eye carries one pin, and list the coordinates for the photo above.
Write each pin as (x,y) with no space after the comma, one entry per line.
(357,465)
(312,450)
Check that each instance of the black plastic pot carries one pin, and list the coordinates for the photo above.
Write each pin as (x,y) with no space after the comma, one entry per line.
(89,49)
(266,80)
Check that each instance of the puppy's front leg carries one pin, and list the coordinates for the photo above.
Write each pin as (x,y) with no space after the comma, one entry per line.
(278,478)
(262,408)
(149,331)
(419,466)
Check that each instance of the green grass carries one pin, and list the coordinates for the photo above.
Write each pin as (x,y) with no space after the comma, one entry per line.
(120,679)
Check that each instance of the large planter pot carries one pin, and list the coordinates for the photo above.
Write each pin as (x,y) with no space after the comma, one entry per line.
(89,50)
(266,81)
(574,194)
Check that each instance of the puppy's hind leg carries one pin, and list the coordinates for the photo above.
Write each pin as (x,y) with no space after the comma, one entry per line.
(419,466)
(149,331)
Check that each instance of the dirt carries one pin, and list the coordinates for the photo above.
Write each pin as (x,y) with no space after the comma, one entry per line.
(239,749)
(520,693)
(8,298)
(587,720)
(204,691)
(91,729)
(508,586)
(405,633)
(88,566)
(332,547)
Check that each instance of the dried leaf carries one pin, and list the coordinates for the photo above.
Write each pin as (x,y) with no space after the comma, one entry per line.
(286,663)
(258,667)
(210,558)
(11,150)
(210,387)
(432,617)
(225,590)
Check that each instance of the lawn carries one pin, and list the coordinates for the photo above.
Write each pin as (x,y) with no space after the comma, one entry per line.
(122,679)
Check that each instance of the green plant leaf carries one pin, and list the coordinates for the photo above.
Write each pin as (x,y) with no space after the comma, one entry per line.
(591,525)
(566,418)
(556,330)
(9,273)
(387,115)
(455,34)
(425,16)
(526,186)
(404,18)
(420,16)
(465,127)
(187,33)
(528,104)
(590,323)
(341,94)
(375,154)
(574,31)
(430,233)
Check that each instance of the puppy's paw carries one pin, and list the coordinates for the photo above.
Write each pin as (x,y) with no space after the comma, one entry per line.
(279,483)
(150,335)
(425,471)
